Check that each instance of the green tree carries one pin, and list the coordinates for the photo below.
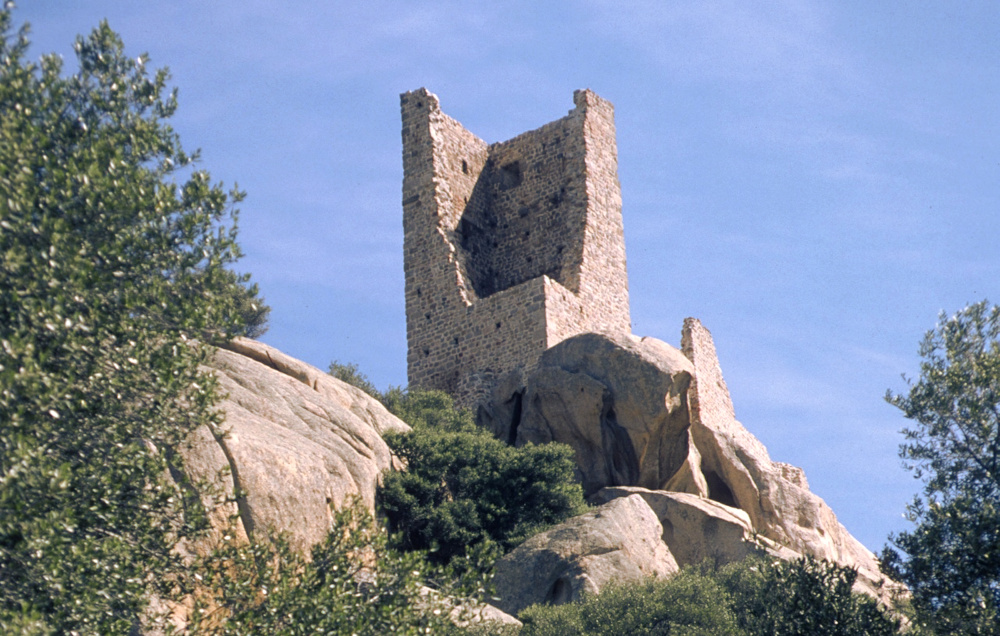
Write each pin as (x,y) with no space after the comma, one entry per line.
(113,254)
(248,307)
(349,372)
(951,559)
(352,584)
(462,487)
(785,598)
(428,410)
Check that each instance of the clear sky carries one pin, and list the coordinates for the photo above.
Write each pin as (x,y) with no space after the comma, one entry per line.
(814,180)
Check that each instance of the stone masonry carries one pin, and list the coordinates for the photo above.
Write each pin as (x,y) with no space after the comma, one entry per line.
(509,248)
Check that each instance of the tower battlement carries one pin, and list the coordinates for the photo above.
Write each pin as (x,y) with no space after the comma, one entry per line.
(509,248)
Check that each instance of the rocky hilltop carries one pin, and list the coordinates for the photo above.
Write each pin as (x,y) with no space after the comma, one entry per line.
(295,445)
(673,476)
(656,425)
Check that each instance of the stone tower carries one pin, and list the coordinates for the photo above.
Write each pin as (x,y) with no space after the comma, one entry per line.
(509,248)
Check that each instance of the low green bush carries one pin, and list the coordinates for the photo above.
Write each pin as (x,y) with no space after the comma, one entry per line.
(690,603)
(805,596)
(756,597)
(349,372)
(462,487)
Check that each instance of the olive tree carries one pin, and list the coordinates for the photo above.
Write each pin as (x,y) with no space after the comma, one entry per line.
(113,255)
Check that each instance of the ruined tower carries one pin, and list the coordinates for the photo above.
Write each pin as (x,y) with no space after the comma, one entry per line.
(509,248)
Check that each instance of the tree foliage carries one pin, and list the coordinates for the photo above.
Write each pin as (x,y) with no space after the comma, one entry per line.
(689,603)
(755,597)
(350,373)
(951,559)
(805,596)
(113,250)
(249,308)
(462,487)
(352,584)
(428,410)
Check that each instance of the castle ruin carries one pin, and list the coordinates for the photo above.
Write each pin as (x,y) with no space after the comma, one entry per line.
(509,248)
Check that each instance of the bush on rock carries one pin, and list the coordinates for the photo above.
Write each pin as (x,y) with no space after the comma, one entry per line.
(462,487)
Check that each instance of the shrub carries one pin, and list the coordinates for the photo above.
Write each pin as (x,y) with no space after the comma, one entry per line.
(462,487)
(755,597)
(428,410)
(690,603)
(352,584)
(350,373)
(805,596)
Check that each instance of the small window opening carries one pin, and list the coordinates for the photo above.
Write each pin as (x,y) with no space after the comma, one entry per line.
(510,176)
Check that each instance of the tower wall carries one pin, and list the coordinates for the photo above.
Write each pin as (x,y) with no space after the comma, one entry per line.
(508,248)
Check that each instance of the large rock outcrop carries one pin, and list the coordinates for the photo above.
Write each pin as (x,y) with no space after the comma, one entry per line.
(775,495)
(620,402)
(295,441)
(694,528)
(619,541)
(640,413)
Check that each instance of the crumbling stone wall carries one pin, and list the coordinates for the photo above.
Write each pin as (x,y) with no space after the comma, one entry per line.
(509,248)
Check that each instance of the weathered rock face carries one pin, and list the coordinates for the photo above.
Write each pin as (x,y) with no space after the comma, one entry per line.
(775,495)
(294,442)
(694,528)
(620,541)
(620,402)
(639,412)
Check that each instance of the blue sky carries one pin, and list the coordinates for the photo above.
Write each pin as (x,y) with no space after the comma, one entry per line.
(814,180)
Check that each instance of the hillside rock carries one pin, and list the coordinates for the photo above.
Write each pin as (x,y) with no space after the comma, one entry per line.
(775,495)
(694,528)
(620,402)
(620,541)
(640,413)
(295,441)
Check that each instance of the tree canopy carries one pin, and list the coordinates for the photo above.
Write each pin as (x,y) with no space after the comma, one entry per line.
(463,487)
(113,255)
(465,495)
(951,559)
